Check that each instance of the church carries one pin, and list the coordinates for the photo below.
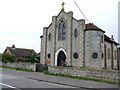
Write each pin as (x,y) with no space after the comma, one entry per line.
(71,42)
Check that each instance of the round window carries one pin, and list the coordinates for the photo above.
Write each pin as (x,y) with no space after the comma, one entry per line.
(94,55)
(75,55)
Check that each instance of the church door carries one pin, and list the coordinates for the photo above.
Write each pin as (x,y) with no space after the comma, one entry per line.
(61,58)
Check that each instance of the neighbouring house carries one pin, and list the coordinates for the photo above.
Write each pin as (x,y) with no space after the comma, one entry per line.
(38,56)
(20,53)
(72,42)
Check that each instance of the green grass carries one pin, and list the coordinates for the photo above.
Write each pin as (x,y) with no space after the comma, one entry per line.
(17,68)
(83,78)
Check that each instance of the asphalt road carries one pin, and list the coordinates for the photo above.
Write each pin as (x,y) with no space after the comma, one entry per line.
(18,80)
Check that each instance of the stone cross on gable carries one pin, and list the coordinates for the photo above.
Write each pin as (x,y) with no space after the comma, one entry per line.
(63,6)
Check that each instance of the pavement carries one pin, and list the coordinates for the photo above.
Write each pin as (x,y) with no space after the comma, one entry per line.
(66,81)
(72,82)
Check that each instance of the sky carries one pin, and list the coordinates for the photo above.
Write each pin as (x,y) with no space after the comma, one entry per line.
(22,21)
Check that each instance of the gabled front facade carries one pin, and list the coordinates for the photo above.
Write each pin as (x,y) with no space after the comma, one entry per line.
(70,42)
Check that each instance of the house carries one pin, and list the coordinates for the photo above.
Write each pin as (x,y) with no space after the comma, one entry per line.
(71,42)
(20,53)
(38,56)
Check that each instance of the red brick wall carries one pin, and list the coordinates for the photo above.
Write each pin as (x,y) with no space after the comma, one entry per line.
(20,57)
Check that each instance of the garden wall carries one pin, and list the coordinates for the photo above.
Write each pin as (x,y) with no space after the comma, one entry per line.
(85,72)
(24,65)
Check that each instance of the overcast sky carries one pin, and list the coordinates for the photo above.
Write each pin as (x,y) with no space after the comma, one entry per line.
(22,21)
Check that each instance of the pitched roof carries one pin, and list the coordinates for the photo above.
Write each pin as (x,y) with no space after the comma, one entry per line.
(109,40)
(91,26)
(21,51)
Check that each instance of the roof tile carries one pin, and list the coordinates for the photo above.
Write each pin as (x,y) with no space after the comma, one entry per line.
(91,26)
(21,51)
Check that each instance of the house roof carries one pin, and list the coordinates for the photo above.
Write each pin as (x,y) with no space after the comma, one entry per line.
(109,40)
(91,26)
(20,51)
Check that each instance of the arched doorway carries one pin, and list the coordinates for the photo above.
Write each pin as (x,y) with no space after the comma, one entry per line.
(61,58)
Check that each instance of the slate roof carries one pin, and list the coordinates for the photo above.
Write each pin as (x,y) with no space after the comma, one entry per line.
(21,52)
(91,26)
(109,40)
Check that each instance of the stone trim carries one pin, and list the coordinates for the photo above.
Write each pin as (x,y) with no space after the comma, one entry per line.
(56,55)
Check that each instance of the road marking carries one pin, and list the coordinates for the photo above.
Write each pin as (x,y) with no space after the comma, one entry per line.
(9,86)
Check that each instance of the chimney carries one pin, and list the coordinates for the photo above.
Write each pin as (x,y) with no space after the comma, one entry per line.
(13,46)
(112,38)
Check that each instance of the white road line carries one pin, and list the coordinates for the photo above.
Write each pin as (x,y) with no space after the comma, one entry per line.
(9,86)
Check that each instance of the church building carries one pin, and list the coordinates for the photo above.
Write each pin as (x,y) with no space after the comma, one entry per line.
(71,42)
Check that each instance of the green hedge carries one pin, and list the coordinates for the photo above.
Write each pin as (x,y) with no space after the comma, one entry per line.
(11,58)
(8,58)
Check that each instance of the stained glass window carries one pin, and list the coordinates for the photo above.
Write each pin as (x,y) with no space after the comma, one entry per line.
(61,30)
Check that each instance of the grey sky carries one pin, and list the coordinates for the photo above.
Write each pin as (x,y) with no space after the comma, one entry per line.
(22,21)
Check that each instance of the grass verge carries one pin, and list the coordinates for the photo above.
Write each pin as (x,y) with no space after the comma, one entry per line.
(83,78)
(17,68)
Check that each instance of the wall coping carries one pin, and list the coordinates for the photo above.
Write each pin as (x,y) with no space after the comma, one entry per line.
(91,69)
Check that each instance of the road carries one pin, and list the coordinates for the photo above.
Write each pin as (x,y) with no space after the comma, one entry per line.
(18,79)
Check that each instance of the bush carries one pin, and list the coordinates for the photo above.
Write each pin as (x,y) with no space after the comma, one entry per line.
(19,60)
(32,59)
(8,58)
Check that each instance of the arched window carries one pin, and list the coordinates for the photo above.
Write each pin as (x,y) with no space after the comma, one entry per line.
(75,33)
(115,53)
(61,30)
(49,36)
(102,38)
(49,55)
(108,53)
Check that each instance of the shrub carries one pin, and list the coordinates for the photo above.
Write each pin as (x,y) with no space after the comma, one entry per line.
(32,59)
(8,58)
(19,60)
